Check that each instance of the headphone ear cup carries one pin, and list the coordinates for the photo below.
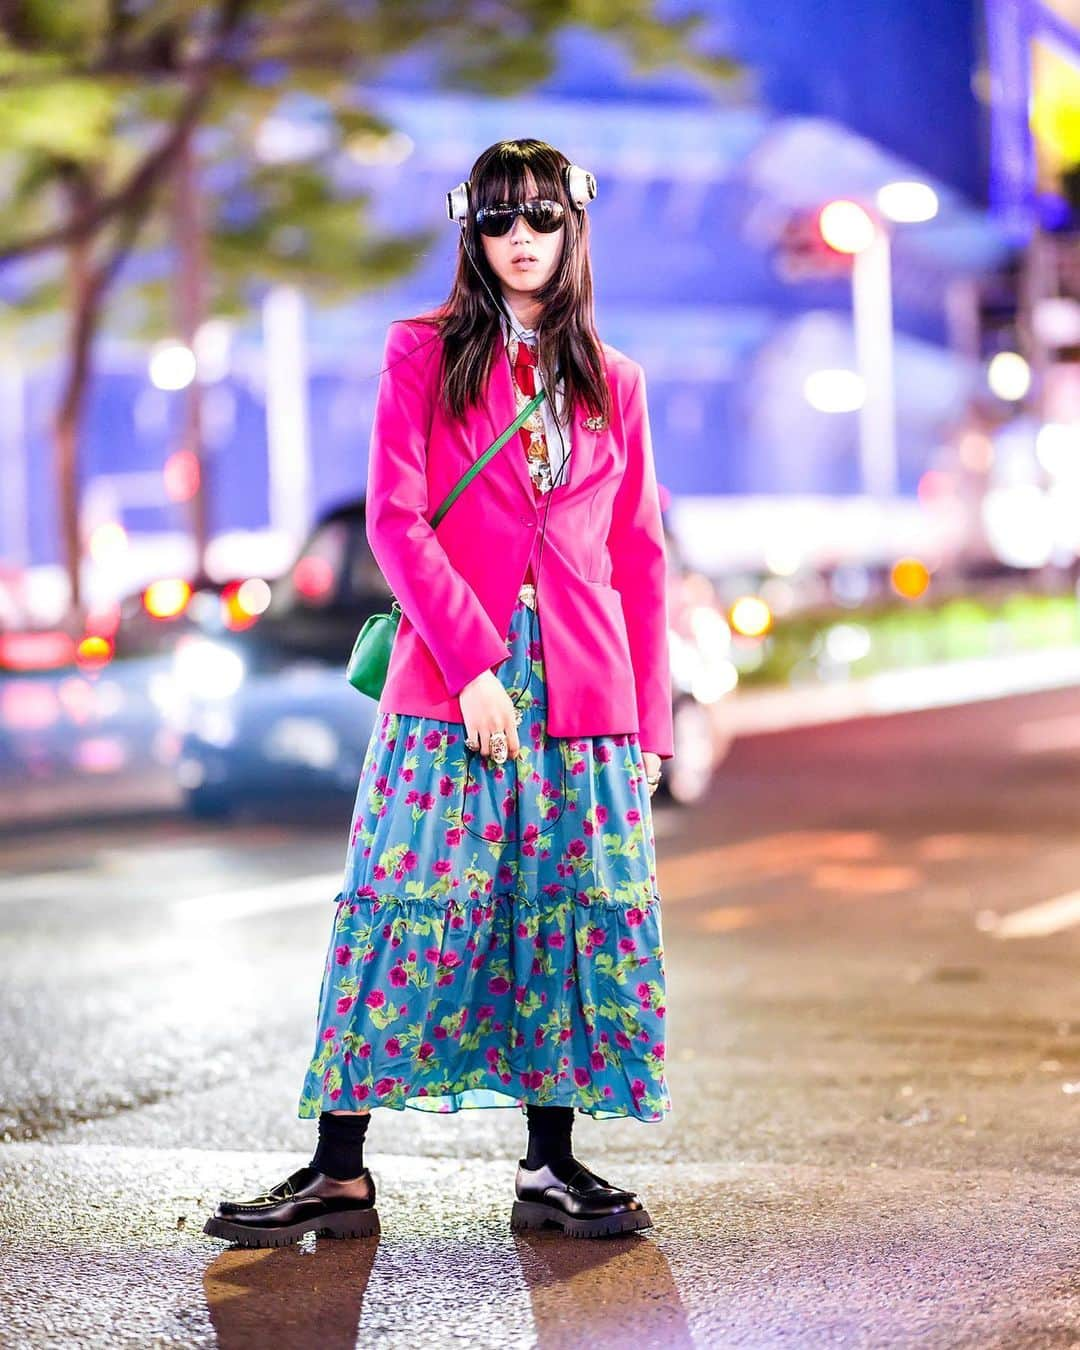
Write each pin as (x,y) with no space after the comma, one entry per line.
(580,185)
(457,201)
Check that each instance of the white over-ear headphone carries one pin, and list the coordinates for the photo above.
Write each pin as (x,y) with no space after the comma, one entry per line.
(580,188)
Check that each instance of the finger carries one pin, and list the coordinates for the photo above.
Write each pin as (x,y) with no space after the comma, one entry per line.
(485,741)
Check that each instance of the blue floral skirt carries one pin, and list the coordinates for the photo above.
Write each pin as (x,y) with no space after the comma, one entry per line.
(497,938)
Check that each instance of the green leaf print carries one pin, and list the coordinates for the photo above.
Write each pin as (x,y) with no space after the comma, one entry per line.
(385,1016)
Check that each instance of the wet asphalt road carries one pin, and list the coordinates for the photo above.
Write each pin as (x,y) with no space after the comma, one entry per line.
(874,1060)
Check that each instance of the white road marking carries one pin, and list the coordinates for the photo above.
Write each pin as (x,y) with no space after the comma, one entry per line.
(224,906)
(1048,734)
(1049,916)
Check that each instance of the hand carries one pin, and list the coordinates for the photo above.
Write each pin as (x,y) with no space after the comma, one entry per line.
(652,766)
(487,707)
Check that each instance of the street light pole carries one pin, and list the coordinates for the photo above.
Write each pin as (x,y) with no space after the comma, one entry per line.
(871,299)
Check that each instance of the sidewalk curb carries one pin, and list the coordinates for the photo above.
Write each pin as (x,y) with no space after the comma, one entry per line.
(943,685)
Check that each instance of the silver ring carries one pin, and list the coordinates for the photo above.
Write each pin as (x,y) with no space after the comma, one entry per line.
(497,741)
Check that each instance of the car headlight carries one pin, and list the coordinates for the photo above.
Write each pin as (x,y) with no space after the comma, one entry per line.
(206,669)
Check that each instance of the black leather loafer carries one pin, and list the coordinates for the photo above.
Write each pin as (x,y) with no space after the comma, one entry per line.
(567,1195)
(308,1201)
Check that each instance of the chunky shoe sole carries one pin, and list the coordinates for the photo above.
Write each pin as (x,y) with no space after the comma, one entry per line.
(357,1223)
(527,1214)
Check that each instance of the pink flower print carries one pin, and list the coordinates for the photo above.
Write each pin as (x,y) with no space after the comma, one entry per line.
(582,1076)
(440,1033)
(360,1092)
(432,740)
(622,1040)
(578,766)
(393,1047)
(342,955)
(441,866)
(492,830)
(498,984)
(642,990)
(533,1079)
(426,1050)
(335,1094)
(637,1089)
(596,1059)
(659,1049)
(412,797)
(556,940)
(365,893)
(454,835)
(398,977)
(345,1003)
(635,917)
(632,816)
(375,999)
(538,1037)
(552,812)
(365,1051)
(602,753)
(431,954)
(577,848)
(597,936)
(427,801)
(446,785)
(626,944)
(384,1086)
(409,861)
(407,774)
(399,873)
(451,960)
(329,1033)
(379,872)
(410,740)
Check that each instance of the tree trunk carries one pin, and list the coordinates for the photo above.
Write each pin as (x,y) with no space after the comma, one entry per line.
(190,312)
(83,311)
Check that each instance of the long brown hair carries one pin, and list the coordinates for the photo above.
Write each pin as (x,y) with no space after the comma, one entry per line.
(469,319)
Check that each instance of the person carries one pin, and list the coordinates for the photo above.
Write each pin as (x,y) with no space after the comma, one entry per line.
(497,940)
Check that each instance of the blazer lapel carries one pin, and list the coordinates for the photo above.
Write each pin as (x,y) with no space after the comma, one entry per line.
(501,410)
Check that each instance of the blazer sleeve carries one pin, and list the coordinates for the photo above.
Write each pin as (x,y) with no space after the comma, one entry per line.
(639,573)
(439,602)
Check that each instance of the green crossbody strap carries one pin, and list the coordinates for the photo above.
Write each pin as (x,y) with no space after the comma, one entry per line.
(493,449)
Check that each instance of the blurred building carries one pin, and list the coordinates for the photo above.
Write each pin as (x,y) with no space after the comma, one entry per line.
(696,277)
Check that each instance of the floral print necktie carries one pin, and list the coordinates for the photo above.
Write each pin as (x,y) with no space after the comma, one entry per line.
(523,362)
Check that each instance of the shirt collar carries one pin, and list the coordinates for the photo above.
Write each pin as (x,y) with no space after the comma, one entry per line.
(514,324)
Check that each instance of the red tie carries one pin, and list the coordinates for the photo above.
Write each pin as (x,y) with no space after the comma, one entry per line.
(525,376)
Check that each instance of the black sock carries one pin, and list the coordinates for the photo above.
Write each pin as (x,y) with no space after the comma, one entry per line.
(340,1150)
(549,1134)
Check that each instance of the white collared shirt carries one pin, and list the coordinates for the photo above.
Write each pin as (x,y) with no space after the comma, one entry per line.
(558,447)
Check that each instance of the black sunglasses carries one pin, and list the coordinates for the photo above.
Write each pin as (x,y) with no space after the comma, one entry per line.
(543,216)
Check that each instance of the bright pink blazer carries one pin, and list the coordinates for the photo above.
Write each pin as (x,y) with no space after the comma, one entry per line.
(602,593)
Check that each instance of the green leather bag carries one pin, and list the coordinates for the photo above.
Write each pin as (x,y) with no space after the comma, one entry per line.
(370,657)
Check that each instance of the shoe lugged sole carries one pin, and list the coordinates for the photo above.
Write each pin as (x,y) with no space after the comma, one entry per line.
(358,1223)
(527,1214)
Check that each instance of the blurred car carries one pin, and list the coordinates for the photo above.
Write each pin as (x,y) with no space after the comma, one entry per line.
(264,710)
